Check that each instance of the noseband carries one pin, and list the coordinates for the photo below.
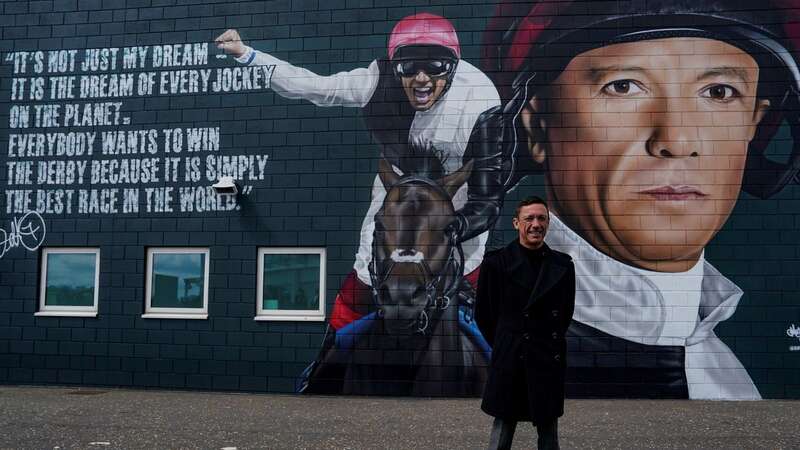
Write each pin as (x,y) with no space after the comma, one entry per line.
(440,288)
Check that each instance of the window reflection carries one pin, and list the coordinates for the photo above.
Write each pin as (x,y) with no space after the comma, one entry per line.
(178,280)
(70,279)
(291,282)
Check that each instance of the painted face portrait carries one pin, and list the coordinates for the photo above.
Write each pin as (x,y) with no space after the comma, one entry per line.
(645,145)
(424,72)
(422,89)
(648,122)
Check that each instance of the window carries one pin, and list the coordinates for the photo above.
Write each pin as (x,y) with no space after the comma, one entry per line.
(69,282)
(291,284)
(177,283)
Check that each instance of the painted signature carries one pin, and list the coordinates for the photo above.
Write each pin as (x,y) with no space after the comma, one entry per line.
(27,231)
(793,331)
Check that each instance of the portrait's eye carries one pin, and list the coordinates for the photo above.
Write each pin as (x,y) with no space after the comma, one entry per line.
(720,92)
(622,88)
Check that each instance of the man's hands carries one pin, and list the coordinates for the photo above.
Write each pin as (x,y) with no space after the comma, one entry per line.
(231,43)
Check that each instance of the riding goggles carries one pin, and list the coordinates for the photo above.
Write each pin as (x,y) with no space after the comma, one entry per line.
(434,68)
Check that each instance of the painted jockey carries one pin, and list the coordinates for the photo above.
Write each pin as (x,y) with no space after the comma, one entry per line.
(422,92)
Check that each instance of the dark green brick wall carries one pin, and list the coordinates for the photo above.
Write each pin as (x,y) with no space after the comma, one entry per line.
(316,192)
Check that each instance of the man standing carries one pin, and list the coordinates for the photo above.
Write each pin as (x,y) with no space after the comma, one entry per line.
(525,301)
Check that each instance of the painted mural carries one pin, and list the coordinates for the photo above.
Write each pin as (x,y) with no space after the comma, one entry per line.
(660,132)
(438,192)
(648,120)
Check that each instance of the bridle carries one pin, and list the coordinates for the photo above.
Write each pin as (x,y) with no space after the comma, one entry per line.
(441,288)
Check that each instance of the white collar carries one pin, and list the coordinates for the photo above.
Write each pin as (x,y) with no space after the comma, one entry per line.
(628,302)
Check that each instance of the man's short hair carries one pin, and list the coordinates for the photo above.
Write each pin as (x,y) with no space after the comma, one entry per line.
(531,200)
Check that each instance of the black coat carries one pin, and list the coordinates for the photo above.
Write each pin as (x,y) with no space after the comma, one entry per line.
(525,318)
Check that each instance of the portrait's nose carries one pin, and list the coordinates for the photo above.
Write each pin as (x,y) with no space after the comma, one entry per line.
(422,77)
(673,134)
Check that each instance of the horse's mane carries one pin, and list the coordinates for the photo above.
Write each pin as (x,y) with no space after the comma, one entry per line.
(422,159)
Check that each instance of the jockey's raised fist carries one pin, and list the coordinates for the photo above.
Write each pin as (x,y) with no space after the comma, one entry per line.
(231,43)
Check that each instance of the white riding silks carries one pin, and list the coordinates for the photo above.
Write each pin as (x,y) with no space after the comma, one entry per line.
(657,308)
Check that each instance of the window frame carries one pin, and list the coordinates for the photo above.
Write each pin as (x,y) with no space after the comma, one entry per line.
(155,312)
(66,310)
(298,315)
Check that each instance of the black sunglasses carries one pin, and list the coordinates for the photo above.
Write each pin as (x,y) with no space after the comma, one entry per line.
(434,68)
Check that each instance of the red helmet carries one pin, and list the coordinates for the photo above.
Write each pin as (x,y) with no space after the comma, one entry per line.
(424,29)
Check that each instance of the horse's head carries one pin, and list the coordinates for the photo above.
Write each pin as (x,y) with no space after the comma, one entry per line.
(414,263)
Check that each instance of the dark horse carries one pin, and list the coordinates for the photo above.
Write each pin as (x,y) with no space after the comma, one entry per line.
(420,338)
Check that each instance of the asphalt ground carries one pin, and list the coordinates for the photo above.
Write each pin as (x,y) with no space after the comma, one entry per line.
(102,418)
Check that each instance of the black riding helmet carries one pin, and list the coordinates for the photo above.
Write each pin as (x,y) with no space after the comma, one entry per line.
(529,44)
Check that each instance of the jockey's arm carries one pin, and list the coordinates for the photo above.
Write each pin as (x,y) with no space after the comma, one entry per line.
(486,185)
(352,88)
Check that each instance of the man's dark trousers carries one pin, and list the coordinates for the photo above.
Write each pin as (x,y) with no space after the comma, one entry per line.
(503,434)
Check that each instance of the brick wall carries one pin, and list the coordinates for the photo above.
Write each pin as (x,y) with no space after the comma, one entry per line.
(315,193)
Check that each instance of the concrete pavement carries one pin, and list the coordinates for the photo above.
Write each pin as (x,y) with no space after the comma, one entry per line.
(104,418)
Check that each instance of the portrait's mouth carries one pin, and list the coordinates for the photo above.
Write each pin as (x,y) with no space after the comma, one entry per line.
(423,94)
(671,193)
